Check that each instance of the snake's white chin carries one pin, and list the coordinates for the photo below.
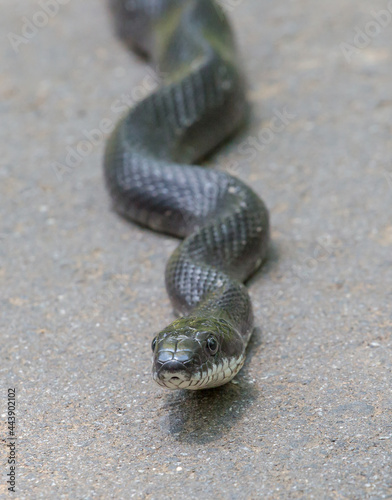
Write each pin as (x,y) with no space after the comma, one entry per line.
(214,376)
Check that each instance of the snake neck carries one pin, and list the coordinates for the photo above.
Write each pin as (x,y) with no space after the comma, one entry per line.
(204,275)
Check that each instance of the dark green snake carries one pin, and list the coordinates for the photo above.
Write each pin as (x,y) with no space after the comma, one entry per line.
(151,179)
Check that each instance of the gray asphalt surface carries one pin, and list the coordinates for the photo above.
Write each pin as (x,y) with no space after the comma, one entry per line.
(310,415)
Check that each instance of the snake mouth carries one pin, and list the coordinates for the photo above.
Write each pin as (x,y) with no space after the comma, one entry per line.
(173,375)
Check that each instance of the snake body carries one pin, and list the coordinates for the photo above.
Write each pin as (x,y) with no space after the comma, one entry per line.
(151,176)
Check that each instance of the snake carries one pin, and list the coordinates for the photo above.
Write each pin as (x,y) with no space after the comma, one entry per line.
(154,173)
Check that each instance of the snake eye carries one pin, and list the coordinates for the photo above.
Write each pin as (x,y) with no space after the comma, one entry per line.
(212,345)
(154,343)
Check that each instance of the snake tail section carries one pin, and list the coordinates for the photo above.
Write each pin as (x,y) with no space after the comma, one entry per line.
(152,178)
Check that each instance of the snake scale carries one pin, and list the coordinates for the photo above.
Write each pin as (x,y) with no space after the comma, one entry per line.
(152,178)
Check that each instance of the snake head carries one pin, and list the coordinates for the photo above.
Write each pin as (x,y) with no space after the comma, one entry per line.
(195,353)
